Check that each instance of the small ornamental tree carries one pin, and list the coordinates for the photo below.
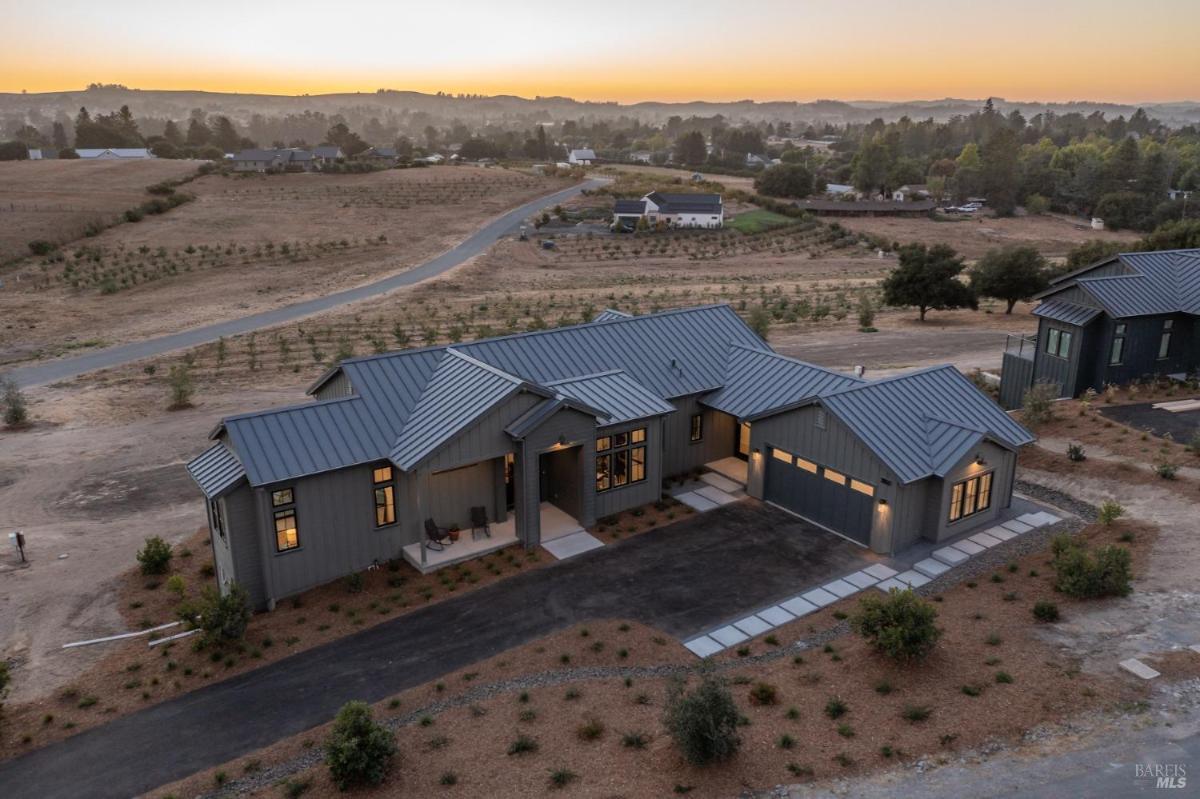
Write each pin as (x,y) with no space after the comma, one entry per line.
(899,625)
(359,749)
(155,556)
(180,381)
(703,723)
(16,412)
(927,278)
(1011,274)
(221,617)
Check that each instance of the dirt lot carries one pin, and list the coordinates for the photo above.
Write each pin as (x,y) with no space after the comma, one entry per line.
(246,244)
(990,646)
(728,181)
(56,200)
(1051,234)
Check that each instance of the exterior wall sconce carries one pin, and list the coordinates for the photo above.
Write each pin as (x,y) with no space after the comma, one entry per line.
(562,441)
(882,504)
(979,461)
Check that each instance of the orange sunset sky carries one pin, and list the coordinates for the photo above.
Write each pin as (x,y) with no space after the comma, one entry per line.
(702,50)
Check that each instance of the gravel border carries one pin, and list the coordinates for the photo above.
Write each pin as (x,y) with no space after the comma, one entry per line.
(986,562)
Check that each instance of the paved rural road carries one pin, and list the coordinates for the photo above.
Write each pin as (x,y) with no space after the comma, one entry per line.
(683,579)
(67,368)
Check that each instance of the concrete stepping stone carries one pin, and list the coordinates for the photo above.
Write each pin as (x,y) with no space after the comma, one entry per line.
(1032,519)
(1138,668)
(840,588)
(951,556)
(880,571)
(861,579)
(776,616)
(931,568)
(714,494)
(985,540)
(819,597)
(703,646)
(1049,518)
(798,606)
(1016,526)
(913,579)
(696,502)
(1003,533)
(720,482)
(728,635)
(571,545)
(752,626)
(1195,648)
(890,583)
(968,546)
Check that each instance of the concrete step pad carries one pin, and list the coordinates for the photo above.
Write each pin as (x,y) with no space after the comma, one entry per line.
(985,540)
(931,568)
(840,588)
(1016,526)
(968,546)
(1003,533)
(571,545)
(714,494)
(752,626)
(775,616)
(799,606)
(722,482)
(703,646)
(951,556)
(819,597)
(880,571)
(890,583)
(1138,668)
(728,635)
(696,502)
(913,579)
(861,579)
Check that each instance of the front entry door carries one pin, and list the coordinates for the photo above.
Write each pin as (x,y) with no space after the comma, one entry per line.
(743,441)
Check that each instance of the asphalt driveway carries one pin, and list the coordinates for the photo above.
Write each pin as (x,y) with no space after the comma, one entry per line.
(1182,427)
(680,579)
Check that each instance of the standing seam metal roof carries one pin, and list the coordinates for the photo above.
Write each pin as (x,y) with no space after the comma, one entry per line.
(920,424)
(1067,312)
(618,395)
(216,470)
(757,381)
(1160,282)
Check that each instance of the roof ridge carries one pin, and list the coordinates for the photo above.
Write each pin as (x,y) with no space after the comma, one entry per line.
(451,351)
(591,376)
(865,383)
(296,406)
(772,353)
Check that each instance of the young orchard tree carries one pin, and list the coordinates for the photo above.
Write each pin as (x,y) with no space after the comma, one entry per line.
(1011,274)
(928,278)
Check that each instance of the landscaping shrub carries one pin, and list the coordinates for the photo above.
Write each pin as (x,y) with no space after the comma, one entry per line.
(763,694)
(1037,405)
(1110,511)
(359,749)
(16,411)
(155,556)
(221,618)
(41,247)
(899,625)
(1075,453)
(1045,611)
(836,707)
(703,723)
(915,713)
(1084,575)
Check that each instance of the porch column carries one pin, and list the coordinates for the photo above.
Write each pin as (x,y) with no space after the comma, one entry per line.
(422,487)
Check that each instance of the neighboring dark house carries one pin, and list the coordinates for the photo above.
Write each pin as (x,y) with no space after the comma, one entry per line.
(289,159)
(582,422)
(328,154)
(379,155)
(1130,316)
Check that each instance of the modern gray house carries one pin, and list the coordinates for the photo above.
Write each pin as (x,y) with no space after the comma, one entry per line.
(580,422)
(1125,318)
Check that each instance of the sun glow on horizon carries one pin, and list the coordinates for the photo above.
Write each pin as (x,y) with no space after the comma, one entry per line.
(811,51)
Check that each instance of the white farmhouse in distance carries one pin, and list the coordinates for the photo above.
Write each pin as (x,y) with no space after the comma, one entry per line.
(583,157)
(114,153)
(674,210)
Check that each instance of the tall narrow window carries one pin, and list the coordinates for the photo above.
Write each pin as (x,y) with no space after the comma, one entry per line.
(287,530)
(1064,345)
(697,432)
(1164,342)
(1117,356)
(1052,338)
(603,478)
(637,466)
(385,496)
(620,467)
(218,520)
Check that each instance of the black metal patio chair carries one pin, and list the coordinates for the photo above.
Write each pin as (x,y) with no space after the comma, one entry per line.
(439,537)
(479,522)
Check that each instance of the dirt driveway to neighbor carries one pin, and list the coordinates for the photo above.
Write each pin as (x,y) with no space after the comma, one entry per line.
(677,578)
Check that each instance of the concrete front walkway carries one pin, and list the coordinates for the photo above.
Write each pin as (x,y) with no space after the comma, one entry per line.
(681,579)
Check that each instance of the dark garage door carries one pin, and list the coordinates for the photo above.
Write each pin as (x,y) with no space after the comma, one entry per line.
(823,496)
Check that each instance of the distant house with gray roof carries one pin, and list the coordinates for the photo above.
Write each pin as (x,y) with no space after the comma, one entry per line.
(672,210)
(114,153)
(1130,316)
(283,159)
(554,429)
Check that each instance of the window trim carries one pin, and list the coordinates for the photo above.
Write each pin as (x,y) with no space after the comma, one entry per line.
(216,516)
(974,492)
(609,457)
(1058,343)
(1164,340)
(696,429)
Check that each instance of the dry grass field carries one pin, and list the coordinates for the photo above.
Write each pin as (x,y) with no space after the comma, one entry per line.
(245,244)
(56,200)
